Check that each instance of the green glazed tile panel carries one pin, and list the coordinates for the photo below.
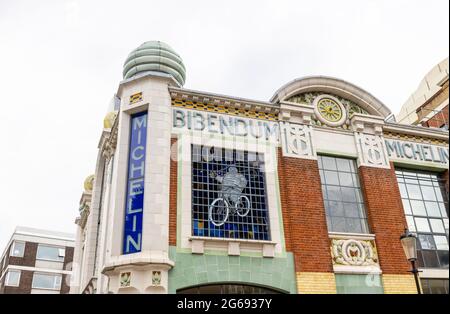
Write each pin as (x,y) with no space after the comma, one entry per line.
(192,269)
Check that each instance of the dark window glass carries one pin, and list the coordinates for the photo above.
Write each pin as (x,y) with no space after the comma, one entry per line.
(435,286)
(426,208)
(228,194)
(342,195)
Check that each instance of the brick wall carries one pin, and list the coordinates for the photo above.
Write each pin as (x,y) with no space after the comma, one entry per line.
(305,227)
(68,260)
(173,195)
(26,279)
(386,216)
(29,256)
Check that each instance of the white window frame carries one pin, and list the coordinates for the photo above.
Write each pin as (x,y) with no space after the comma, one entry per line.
(55,281)
(7,283)
(59,248)
(275,245)
(13,245)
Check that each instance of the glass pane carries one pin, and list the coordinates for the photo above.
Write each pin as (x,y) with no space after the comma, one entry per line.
(439,194)
(336,208)
(443,209)
(437,226)
(403,192)
(422,224)
(355,180)
(433,209)
(328,163)
(445,221)
(430,259)
(420,262)
(437,286)
(45,281)
(331,177)
(353,225)
(426,242)
(418,208)
(338,224)
(351,210)
(49,253)
(414,191)
(411,225)
(441,242)
(345,179)
(348,194)
(334,193)
(17,249)
(343,164)
(443,258)
(428,193)
(13,278)
(406,206)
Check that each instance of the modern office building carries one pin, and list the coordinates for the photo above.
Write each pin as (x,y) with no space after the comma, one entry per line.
(428,105)
(309,192)
(37,261)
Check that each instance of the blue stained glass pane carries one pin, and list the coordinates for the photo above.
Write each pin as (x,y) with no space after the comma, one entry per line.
(228,193)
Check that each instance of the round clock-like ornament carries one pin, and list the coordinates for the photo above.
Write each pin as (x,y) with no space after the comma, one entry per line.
(329,110)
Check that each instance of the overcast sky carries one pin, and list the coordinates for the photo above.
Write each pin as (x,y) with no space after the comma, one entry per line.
(61,62)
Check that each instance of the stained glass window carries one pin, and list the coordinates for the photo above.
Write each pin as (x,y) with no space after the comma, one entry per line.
(229,194)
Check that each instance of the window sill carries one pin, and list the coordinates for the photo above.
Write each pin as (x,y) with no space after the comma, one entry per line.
(234,246)
(49,260)
(52,289)
(348,235)
(433,273)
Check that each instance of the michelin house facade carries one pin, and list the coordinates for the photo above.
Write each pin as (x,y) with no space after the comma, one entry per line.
(308,192)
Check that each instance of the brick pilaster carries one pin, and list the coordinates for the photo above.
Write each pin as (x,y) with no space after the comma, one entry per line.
(386,216)
(304,219)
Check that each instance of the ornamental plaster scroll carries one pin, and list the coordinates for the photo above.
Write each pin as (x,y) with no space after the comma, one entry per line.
(296,140)
(371,150)
(353,252)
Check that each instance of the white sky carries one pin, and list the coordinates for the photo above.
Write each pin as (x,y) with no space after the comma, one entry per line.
(61,62)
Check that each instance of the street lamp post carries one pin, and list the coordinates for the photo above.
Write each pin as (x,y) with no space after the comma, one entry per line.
(409,243)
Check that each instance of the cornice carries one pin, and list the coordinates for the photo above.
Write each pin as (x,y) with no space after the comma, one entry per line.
(223,100)
(417,131)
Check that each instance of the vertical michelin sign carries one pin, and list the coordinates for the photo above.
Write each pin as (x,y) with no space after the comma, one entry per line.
(135,184)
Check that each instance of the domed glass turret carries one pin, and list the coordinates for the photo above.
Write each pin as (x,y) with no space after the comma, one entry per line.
(155,56)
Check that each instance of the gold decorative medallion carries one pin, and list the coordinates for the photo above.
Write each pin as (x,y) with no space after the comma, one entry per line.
(329,110)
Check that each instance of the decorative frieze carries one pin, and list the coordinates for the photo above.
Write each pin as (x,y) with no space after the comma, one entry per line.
(221,104)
